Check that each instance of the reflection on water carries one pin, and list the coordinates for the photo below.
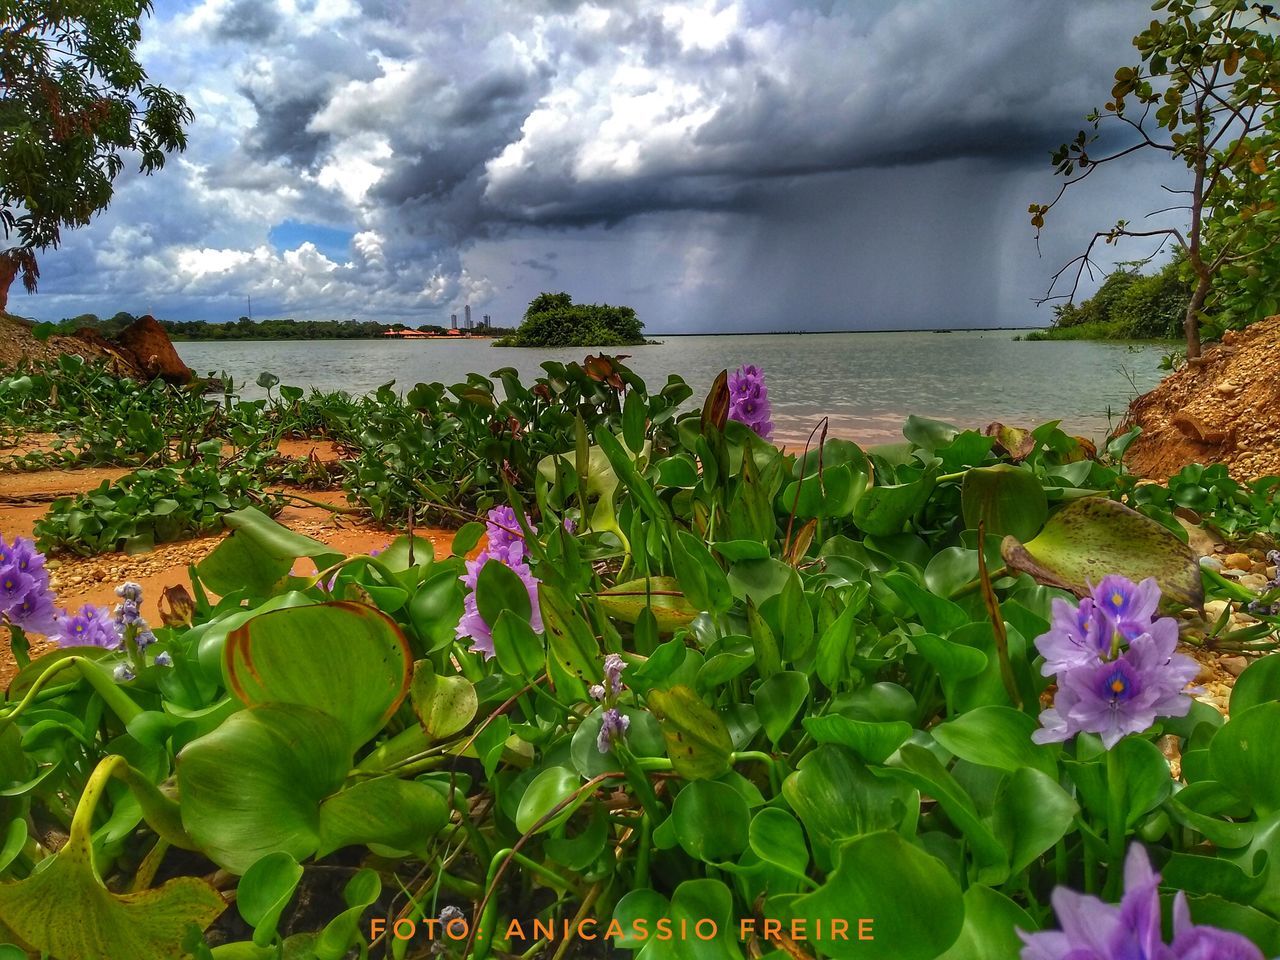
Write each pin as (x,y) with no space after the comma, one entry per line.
(866,383)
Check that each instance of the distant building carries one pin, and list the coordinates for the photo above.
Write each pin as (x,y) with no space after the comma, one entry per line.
(467,310)
(453,321)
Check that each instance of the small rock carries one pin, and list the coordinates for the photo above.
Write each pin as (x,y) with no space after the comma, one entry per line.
(1206,673)
(77,580)
(1211,563)
(1213,609)
(1226,388)
(1234,665)
(1254,581)
(1237,561)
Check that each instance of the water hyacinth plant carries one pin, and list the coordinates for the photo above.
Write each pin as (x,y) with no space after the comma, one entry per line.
(1115,664)
(767,690)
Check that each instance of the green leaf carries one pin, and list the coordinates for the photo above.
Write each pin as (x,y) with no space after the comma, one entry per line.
(920,768)
(255,784)
(627,601)
(1245,757)
(499,589)
(444,705)
(776,837)
(340,933)
(346,659)
(991,925)
(643,904)
(873,742)
(885,510)
(1092,537)
(1009,500)
(572,643)
(997,736)
(1032,813)
(257,548)
(778,699)
(265,891)
(697,741)
(520,651)
(468,535)
(1260,683)
(699,900)
(836,797)
(711,820)
(401,814)
(914,903)
(551,787)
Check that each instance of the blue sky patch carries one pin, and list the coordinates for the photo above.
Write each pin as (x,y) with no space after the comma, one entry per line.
(332,242)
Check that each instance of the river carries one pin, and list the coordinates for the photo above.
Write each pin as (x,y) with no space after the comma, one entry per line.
(867,383)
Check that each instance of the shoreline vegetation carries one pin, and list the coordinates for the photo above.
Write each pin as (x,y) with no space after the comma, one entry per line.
(554,320)
(1129,305)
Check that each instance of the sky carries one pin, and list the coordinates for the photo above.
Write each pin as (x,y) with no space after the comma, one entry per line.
(720,165)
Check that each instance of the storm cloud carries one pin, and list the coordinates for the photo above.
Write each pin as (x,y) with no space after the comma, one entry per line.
(718,164)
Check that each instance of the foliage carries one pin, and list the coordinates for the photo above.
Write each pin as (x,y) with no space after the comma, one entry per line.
(288,329)
(1128,306)
(554,320)
(75,101)
(147,507)
(817,671)
(1209,79)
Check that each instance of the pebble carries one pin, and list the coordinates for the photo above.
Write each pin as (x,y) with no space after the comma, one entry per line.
(1234,665)
(1237,561)
(1206,673)
(1213,609)
(1256,582)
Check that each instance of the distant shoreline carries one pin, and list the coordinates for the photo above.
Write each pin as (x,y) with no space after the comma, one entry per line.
(727,333)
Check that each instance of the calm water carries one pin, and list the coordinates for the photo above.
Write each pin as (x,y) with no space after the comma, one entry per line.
(866,382)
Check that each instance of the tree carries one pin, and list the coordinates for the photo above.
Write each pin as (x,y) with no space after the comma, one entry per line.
(73,101)
(1205,88)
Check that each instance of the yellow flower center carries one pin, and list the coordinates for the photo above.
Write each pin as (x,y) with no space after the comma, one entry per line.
(1117,685)
(1117,599)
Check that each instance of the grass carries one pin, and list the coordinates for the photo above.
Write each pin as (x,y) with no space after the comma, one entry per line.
(1097,330)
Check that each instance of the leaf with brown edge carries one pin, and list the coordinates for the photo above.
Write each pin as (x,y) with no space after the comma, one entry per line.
(698,742)
(1090,538)
(715,411)
(572,645)
(347,659)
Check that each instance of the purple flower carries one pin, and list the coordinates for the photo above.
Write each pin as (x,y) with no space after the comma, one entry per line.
(163,659)
(25,598)
(1129,607)
(749,400)
(1130,930)
(508,549)
(91,627)
(35,612)
(123,673)
(1117,669)
(130,592)
(613,667)
(613,727)
(14,585)
(504,532)
(1077,635)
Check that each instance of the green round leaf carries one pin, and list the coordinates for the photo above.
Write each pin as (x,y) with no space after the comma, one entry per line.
(1246,757)
(346,659)
(1009,500)
(914,902)
(548,789)
(711,821)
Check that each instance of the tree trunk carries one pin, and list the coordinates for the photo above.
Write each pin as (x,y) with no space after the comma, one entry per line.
(1191,324)
(8,271)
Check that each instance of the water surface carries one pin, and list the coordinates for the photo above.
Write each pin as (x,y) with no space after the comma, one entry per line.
(866,383)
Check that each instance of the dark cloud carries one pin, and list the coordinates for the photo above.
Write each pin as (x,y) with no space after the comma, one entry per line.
(721,160)
(249,20)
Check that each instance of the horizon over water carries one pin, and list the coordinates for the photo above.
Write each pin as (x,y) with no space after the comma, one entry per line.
(866,382)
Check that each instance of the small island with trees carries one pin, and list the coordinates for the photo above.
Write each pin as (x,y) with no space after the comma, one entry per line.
(554,320)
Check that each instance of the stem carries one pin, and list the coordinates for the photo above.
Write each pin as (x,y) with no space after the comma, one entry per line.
(1115,828)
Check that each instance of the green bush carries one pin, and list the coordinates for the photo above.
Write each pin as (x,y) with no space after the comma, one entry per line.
(554,320)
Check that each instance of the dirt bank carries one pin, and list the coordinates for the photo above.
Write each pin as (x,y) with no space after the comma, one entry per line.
(1223,409)
(141,351)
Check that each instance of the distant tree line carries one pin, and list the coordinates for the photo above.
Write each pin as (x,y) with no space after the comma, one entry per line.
(1128,306)
(246,329)
(554,320)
